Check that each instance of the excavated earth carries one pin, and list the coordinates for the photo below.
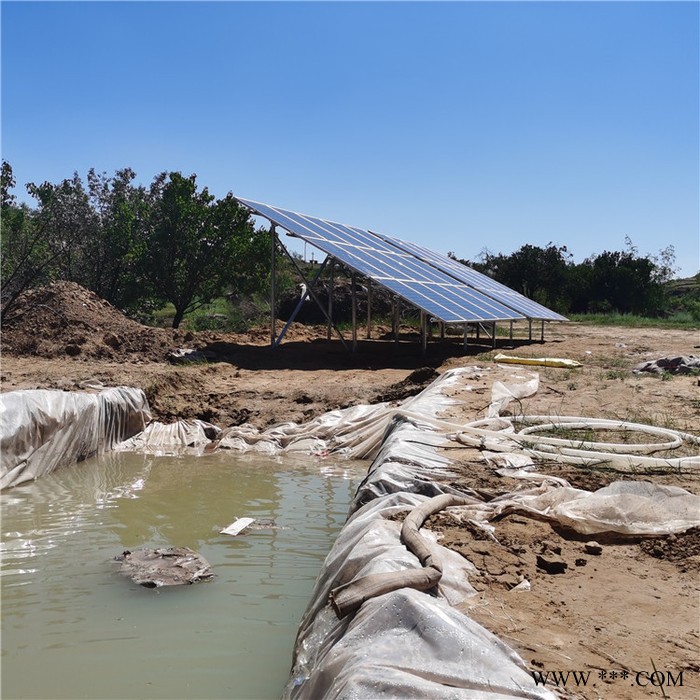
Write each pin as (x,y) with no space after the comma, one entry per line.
(620,613)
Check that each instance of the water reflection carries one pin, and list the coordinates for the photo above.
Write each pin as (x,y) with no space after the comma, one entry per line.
(67,612)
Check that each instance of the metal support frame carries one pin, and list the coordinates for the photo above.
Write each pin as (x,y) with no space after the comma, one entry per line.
(492,334)
(529,329)
(542,336)
(442,330)
(423,332)
(300,303)
(466,335)
(511,333)
(312,294)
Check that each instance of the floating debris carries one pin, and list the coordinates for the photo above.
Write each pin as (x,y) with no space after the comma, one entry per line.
(167,566)
(237,526)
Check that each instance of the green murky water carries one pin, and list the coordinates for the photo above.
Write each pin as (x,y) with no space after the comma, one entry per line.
(72,627)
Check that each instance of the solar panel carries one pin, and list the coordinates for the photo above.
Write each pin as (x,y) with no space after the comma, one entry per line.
(507,296)
(413,279)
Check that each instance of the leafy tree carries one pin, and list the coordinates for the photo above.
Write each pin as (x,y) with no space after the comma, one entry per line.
(31,254)
(538,273)
(198,246)
(122,210)
(623,282)
(69,224)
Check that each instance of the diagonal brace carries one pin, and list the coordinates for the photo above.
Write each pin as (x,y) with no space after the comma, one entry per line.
(312,294)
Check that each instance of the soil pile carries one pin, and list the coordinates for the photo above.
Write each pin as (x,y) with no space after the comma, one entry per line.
(64,318)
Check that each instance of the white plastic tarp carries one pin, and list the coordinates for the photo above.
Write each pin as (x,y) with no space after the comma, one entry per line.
(404,643)
(42,430)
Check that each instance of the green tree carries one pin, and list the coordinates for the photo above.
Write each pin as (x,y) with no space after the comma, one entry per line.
(199,247)
(626,283)
(538,273)
(30,255)
(69,226)
(114,268)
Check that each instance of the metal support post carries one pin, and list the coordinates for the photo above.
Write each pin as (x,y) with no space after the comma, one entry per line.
(466,335)
(395,301)
(354,313)
(529,329)
(273,295)
(331,291)
(423,332)
(542,336)
(369,309)
(511,333)
(493,335)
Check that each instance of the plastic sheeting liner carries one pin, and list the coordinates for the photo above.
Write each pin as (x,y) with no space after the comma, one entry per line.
(158,438)
(408,645)
(42,430)
(624,507)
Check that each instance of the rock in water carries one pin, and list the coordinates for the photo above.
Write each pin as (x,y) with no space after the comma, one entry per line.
(166,566)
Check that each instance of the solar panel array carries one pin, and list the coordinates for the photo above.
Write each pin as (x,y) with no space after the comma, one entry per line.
(411,274)
(483,283)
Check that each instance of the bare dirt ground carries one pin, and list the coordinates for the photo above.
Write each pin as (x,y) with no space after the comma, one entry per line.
(631,609)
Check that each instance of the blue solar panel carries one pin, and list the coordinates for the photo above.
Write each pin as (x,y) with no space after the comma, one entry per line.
(415,280)
(476,280)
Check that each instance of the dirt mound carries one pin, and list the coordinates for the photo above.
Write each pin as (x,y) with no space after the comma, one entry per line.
(64,318)
(418,380)
(682,548)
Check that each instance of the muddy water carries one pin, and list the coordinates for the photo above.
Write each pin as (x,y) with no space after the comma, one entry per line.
(72,627)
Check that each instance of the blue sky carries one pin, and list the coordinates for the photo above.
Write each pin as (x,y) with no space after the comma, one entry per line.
(457,125)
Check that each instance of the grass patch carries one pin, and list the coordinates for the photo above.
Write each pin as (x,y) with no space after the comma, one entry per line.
(220,315)
(682,319)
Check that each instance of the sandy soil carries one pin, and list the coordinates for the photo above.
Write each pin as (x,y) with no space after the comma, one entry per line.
(630,609)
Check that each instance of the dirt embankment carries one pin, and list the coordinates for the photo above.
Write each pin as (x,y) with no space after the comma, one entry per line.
(629,607)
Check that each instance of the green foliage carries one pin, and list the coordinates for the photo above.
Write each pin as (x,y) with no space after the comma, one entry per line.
(538,273)
(29,256)
(136,247)
(140,248)
(199,246)
(620,282)
(115,257)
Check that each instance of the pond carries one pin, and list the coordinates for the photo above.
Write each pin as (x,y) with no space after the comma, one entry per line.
(73,627)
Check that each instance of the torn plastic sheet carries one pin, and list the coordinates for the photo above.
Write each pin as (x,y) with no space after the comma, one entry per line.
(190,436)
(404,643)
(356,432)
(623,507)
(42,430)
(502,394)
